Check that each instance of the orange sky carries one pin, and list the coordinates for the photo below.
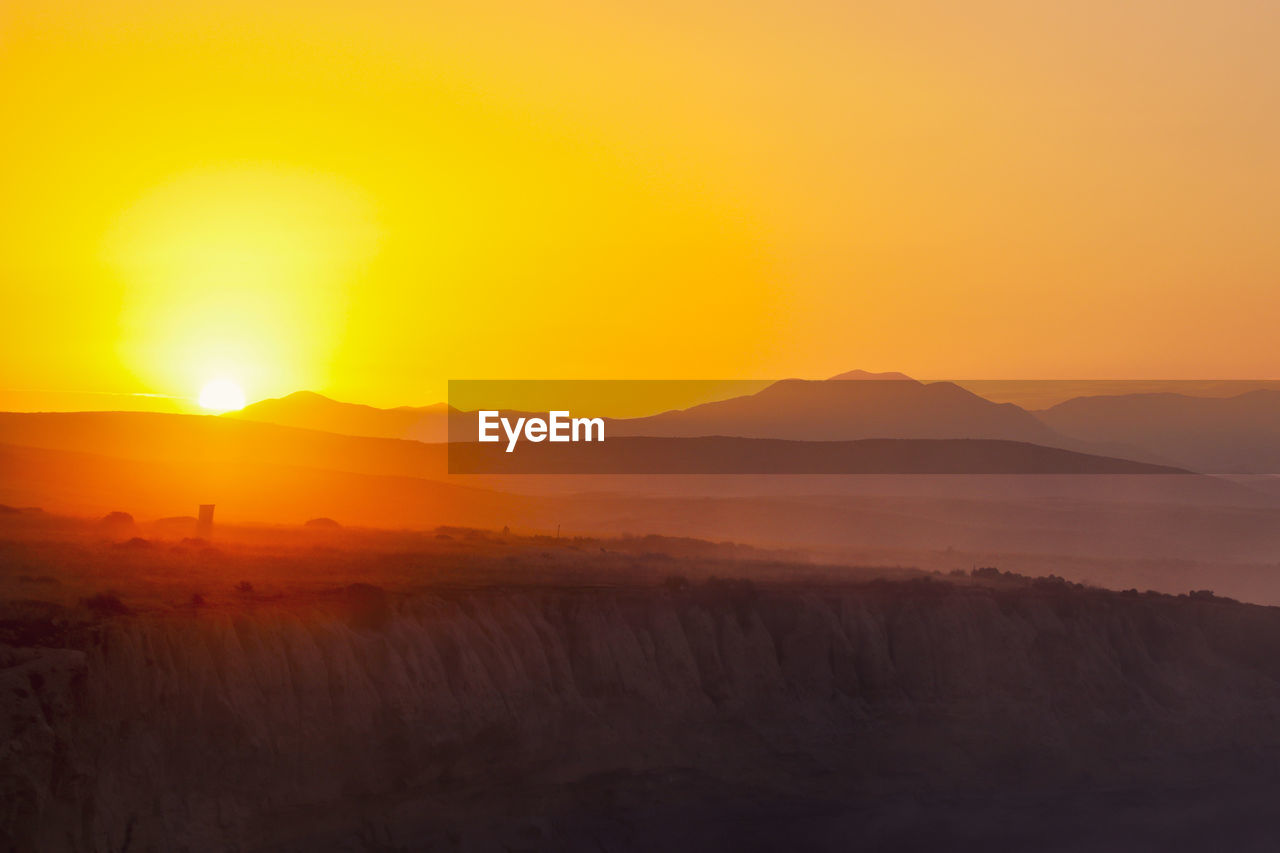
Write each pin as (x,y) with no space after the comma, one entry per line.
(368,198)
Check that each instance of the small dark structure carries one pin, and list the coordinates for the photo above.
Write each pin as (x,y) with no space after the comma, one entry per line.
(204,524)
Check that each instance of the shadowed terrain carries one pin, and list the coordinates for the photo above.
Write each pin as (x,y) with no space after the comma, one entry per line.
(326,689)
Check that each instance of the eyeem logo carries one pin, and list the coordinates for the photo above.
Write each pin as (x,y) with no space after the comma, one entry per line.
(557,426)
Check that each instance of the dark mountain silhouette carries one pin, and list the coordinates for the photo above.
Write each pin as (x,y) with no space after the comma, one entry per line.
(309,410)
(841,410)
(850,406)
(1239,434)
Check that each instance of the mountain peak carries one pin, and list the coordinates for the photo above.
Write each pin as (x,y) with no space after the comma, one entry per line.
(868,376)
(300,397)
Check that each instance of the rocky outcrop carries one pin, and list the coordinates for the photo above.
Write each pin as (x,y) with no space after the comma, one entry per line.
(369,720)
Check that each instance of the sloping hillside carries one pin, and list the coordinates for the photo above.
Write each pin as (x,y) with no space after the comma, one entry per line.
(309,410)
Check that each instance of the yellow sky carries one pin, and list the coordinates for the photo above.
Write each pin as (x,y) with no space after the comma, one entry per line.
(368,198)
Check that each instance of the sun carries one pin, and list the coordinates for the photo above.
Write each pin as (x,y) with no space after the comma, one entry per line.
(241,272)
(221,395)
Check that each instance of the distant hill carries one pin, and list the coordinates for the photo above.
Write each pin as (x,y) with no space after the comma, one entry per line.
(1219,434)
(850,406)
(1229,435)
(842,410)
(309,410)
(1239,434)
(867,376)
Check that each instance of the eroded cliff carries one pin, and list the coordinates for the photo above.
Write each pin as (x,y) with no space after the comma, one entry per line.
(580,717)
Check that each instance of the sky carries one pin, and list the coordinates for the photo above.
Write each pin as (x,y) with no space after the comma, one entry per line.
(369,198)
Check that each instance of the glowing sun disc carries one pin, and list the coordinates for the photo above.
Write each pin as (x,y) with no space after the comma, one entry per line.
(221,395)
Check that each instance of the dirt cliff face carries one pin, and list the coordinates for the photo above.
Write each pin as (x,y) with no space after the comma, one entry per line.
(597,717)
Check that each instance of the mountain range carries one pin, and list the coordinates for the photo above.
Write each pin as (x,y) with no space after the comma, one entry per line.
(848,407)
(1229,435)
(158,465)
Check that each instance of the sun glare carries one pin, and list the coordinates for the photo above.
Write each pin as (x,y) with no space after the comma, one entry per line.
(221,395)
(242,271)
